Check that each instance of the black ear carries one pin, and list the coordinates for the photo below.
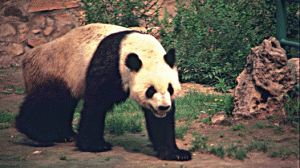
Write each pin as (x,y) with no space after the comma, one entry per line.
(170,57)
(133,62)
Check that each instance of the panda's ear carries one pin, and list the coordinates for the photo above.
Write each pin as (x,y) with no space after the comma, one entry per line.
(170,57)
(133,62)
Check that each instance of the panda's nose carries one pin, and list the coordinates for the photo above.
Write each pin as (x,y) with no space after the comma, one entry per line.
(163,108)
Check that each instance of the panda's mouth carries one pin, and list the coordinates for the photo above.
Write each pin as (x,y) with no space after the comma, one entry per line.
(159,114)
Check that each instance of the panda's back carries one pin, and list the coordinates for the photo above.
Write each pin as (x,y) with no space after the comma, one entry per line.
(66,58)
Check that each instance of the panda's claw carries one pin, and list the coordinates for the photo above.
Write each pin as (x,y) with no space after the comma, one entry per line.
(179,155)
(183,155)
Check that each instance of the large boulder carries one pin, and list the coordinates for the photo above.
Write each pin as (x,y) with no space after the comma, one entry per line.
(294,64)
(263,84)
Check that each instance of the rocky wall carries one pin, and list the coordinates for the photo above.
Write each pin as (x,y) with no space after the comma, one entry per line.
(25,24)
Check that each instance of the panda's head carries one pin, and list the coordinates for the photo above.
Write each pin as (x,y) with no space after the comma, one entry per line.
(149,73)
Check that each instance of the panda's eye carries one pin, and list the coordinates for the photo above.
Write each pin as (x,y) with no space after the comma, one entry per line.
(170,89)
(150,92)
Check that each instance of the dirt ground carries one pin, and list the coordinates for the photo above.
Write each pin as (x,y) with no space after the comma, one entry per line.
(130,150)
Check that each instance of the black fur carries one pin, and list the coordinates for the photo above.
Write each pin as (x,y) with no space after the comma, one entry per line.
(170,57)
(161,133)
(133,62)
(46,114)
(103,90)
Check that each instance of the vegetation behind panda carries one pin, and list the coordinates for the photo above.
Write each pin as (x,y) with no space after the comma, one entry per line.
(104,64)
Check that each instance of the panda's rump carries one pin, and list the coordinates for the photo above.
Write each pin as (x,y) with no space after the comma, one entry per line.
(66,58)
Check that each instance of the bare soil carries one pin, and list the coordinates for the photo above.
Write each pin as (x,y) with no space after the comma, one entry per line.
(130,150)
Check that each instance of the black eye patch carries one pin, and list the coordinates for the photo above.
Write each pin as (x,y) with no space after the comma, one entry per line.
(170,89)
(150,92)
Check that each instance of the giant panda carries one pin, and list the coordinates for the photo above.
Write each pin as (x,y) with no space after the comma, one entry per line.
(103,64)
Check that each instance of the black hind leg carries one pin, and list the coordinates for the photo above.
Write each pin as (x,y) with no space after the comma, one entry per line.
(46,114)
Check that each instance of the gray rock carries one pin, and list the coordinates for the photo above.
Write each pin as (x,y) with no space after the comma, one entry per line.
(7,30)
(263,83)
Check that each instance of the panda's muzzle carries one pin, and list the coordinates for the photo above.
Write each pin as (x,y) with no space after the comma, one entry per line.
(161,112)
(163,108)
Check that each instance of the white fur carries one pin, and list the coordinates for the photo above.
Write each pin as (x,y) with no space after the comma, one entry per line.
(154,72)
(67,57)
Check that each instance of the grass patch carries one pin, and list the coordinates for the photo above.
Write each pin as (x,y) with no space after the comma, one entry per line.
(62,157)
(238,152)
(260,124)
(219,151)
(119,123)
(238,127)
(189,107)
(10,89)
(292,105)
(258,146)
(6,117)
(125,117)
(180,132)
(199,143)
(6,120)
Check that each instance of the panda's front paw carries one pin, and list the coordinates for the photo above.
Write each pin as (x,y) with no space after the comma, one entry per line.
(86,146)
(180,155)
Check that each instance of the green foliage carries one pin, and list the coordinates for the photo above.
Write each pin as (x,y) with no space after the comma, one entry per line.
(260,124)
(189,106)
(292,105)
(134,124)
(238,127)
(205,36)
(219,151)
(258,145)
(129,106)
(6,117)
(221,86)
(62,157)
(124,117)
(115,123)
(199,143)
(282,152)
(127,13)
(9,89)
(205,120)
(180,132)
(240,154)
(213,37)
(79,106)
(237,151)
(119,123)
(225,103)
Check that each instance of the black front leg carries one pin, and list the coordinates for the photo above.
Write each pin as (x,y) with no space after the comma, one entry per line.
(91,127)
(162,134)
